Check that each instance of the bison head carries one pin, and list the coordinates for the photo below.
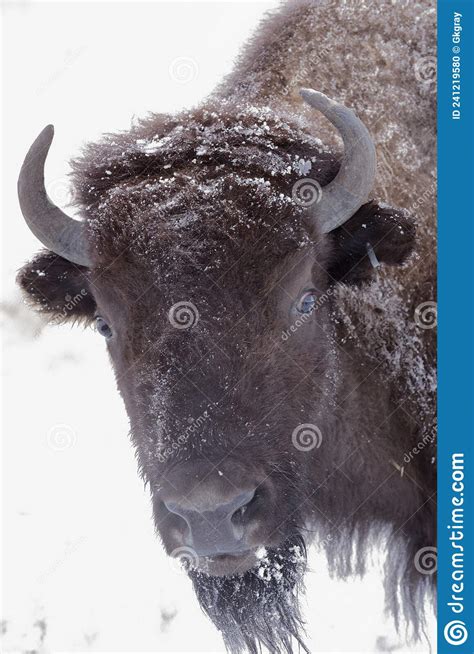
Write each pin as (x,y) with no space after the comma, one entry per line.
(209,259)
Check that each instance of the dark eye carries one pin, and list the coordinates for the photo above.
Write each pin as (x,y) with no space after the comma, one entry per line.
(102,327)
(307,302)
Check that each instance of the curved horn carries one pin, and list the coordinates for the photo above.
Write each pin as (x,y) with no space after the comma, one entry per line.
(56,230)
(348,191)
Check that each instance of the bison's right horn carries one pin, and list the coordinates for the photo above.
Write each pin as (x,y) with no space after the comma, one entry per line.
(55,229)
(349,190)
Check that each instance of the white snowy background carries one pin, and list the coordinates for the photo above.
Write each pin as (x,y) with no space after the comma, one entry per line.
(83,570)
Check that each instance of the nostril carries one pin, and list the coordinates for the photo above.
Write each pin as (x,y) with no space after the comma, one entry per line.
(179,520)
(239,514)
(213,524)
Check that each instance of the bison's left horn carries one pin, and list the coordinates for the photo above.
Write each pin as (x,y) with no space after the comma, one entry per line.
(349,190)
(55,229)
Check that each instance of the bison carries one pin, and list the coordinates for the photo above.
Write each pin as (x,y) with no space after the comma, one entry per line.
(265,313)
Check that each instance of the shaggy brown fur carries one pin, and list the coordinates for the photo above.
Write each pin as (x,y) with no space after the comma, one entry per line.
(198,207)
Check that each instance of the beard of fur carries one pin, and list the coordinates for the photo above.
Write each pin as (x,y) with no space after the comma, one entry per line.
(259,608)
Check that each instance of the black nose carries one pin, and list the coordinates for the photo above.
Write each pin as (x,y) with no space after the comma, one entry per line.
(218,527)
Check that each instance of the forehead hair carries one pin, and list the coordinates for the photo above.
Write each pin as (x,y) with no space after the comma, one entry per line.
(207,185)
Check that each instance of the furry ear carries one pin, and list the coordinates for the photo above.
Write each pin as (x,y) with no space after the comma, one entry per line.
(57,287)
(375,234)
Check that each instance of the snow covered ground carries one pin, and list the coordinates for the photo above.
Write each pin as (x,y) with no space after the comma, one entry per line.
(82,568)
